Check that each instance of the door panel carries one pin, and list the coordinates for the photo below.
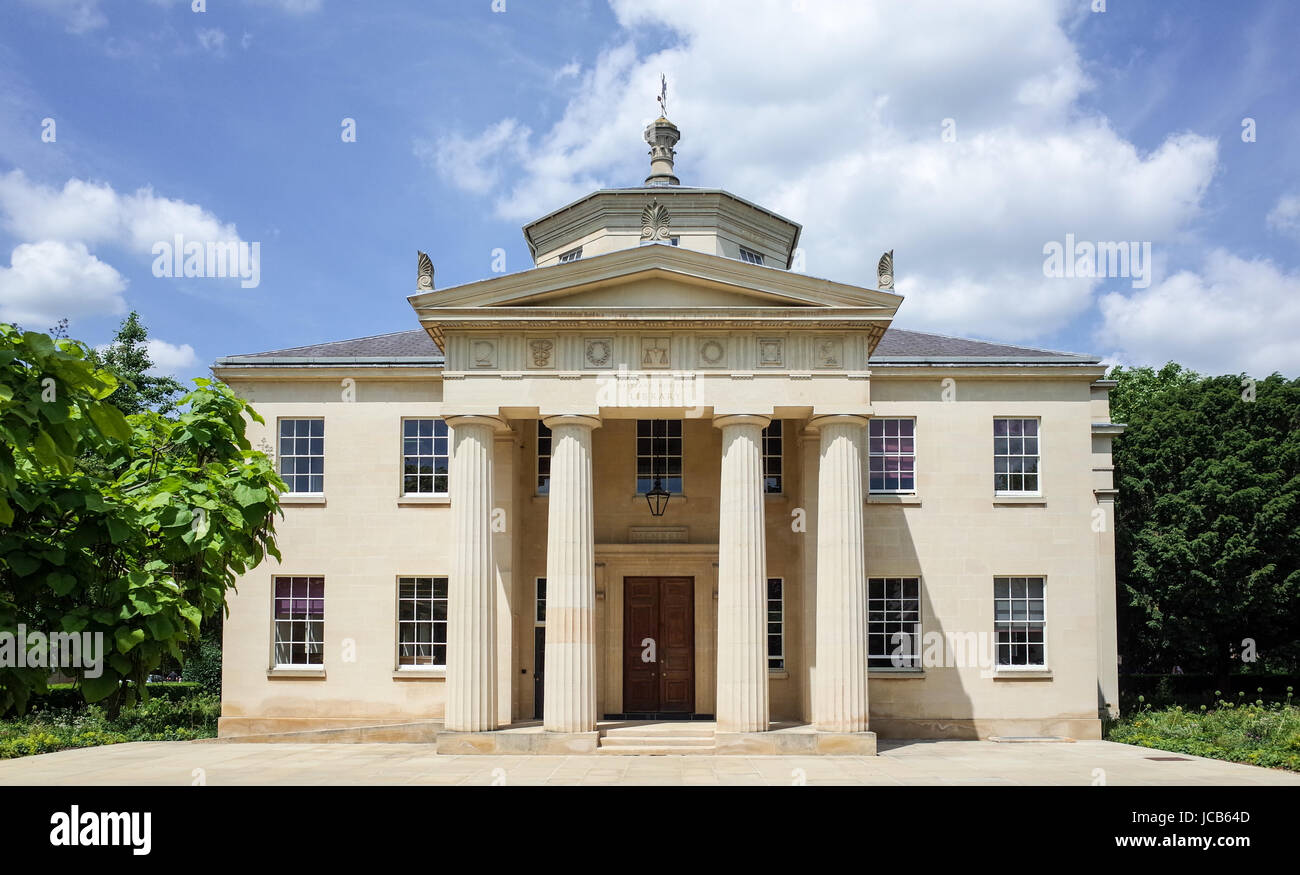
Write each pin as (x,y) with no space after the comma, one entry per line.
(661,609)
(640,621)
(539,672)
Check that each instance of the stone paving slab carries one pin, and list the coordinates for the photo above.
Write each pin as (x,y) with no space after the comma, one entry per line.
(936,763)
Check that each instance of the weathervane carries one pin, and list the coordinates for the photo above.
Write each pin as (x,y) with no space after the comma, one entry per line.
(663,96)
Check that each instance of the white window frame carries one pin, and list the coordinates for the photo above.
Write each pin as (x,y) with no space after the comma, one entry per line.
(281,456)
(435,456)
(1037,457)
(433,621)
(1027,623)
(539,601)
(749,256)
(881,605)
(883,454)
(768,440)
(571,256)
(276,622)
(680,456)
(780,624)
(537,467)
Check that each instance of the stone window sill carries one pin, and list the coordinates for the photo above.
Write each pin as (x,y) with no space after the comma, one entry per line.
(415,674)
(912,500)
(777,674)
(1022,674)
(423,500)
(1033,500)
(897,674)
(287,672)
(310,498)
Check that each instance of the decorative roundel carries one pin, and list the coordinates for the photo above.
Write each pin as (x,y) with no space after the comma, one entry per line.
(598,352)
(886,281)
(711,352)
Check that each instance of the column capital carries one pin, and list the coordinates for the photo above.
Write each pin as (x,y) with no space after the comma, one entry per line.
(726,419)
(825,419)
(571,419)
(496,423)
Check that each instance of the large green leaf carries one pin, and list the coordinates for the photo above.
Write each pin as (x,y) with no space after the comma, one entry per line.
(110,421)
(126,638)
(100,688)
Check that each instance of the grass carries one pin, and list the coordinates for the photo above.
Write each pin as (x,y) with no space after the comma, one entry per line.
(1253,733)
(61,728)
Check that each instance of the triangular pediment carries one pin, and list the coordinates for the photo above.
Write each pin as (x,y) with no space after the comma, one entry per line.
(656,277)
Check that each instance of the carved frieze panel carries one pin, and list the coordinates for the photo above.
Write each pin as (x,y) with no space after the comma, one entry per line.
(828,351)
(598,352)
(711,352)
(656,352)
(771,352)
(541,352)
(483,352)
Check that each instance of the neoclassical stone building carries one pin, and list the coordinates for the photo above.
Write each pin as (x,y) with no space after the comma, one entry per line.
(664,474)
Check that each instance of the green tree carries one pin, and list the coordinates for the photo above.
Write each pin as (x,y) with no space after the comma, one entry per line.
(128,358)
(130,527)
(1208,519)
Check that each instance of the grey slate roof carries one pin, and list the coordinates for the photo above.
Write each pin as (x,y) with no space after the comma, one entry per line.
(415,347)
(900,346)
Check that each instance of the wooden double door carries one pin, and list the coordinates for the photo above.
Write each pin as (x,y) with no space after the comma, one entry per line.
(659,645)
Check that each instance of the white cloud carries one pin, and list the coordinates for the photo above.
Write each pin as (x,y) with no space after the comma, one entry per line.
(79,16)
(49,280)
(476,163)
(832,114)
(169,358)
(94,213)
(212,39)
(1284,218)
(54,274)
(1232,315)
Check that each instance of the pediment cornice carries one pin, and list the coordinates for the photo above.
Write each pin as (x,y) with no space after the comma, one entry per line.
(767,286)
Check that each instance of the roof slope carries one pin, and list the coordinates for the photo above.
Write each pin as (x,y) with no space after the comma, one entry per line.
(898,346)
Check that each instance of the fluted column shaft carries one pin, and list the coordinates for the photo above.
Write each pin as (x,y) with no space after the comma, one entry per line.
(742,578)
(471,585)
(840,689)
(569,697)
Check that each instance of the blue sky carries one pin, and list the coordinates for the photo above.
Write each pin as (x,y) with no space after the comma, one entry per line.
(1122,125)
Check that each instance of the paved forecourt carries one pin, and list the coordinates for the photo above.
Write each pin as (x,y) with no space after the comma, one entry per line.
(898,763)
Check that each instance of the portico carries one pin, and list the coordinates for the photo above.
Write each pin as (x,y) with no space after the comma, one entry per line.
(586,649)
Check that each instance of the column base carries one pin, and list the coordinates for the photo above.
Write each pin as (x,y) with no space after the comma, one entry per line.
(521,740)
(797,741)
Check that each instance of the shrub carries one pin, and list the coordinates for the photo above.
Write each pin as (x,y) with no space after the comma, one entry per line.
(1250,732)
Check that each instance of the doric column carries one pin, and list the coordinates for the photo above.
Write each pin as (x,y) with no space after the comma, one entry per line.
(569,699)
(471,595)
(742,578)
(840,688)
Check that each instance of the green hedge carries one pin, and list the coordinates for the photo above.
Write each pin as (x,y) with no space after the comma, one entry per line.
(47,729)
(67,696)
(1195,690)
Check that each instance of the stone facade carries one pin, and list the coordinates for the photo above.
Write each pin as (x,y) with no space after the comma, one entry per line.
(689,330)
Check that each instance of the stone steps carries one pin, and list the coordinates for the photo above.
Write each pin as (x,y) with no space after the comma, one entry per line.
(657,739)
